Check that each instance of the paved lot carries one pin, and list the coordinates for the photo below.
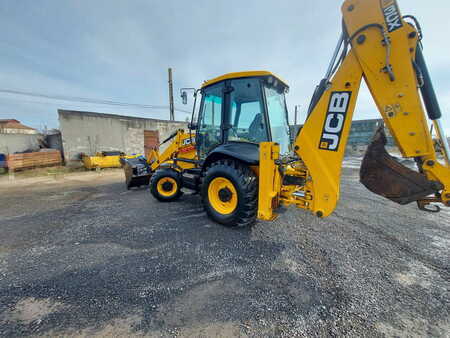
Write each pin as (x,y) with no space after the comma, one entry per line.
(81,255)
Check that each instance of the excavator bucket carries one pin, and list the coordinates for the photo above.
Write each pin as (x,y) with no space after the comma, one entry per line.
(384,175)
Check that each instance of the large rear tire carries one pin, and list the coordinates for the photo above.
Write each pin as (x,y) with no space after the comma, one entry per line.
(230,193)
(165,185)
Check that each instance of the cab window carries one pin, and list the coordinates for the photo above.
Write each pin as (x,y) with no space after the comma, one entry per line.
(246,120)
(210,118)
(278,117)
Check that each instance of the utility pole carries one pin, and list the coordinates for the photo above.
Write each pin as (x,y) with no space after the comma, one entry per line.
(172,113)
(295,116)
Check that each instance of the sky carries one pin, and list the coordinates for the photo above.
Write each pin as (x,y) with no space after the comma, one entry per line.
(120,51)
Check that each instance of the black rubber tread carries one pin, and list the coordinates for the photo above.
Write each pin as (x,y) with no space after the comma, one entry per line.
(246,184)
(161,173)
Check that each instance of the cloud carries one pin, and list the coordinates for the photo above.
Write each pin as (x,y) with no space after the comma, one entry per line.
(121,50)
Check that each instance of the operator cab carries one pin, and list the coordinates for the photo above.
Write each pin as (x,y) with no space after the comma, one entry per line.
(244,107)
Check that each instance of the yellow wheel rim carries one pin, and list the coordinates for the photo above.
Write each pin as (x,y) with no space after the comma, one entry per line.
(222,195)
(167,186)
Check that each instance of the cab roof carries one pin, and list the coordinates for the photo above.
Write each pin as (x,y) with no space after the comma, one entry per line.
(237,75)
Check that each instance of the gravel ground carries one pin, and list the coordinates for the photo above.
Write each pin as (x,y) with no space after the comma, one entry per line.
(82,256)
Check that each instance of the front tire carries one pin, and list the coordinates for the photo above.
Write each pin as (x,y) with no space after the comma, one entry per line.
(230,193)
(165,185)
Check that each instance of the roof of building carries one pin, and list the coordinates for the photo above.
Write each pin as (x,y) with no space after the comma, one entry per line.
(13,124)
(237,75)
(105,115)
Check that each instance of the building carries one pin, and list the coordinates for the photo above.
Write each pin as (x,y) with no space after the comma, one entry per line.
(361,132)
(90,133)
(16,137)
(12,126)
(53,140)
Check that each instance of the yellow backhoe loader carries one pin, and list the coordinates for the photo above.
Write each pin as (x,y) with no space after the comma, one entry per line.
(244,164)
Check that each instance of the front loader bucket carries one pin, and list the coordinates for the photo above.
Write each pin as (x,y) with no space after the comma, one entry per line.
(385,176)
(137,172)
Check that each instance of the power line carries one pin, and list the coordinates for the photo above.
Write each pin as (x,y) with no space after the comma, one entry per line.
(78,99)
(75,103)
(56,104)
(87,100)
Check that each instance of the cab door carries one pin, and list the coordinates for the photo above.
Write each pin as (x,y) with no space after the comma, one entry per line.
(209,133)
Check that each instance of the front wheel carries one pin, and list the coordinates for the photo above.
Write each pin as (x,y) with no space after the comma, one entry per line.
(230,193)
(165,185)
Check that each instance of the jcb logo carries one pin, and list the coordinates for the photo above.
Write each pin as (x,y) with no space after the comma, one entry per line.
(187,145)
(391,15)
(335,120)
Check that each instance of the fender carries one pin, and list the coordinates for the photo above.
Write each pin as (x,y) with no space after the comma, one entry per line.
(242,151)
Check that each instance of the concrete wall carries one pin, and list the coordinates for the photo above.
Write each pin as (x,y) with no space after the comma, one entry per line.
(89,133)
(11,143)
(18,131)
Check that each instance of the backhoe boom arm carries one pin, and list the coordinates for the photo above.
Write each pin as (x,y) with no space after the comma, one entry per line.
(383,48)
(386,52)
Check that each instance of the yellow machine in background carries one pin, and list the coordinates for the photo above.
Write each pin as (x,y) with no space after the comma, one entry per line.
(181,152)
(168,167)
(101,161)
(244,164)
(105,160)
(179,156)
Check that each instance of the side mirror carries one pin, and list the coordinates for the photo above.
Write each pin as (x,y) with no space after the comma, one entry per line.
(192,126)
(184,97)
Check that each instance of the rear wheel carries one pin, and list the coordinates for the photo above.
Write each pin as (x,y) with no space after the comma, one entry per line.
(165,185)
(230,193)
